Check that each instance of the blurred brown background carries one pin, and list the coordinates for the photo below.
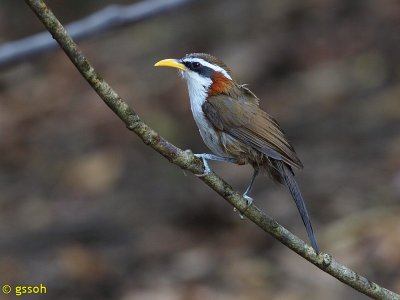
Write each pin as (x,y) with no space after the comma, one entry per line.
(92,213)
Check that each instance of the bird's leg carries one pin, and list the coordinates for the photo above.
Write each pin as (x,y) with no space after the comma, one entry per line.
(246,194)
(206,156)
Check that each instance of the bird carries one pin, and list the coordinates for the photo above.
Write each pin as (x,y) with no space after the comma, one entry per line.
(236,129)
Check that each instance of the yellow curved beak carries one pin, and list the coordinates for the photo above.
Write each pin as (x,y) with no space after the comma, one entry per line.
(173,63)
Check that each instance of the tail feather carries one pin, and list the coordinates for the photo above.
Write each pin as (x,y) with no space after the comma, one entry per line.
(290,182)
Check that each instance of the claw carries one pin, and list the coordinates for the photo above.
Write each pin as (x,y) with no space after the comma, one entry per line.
(207,169)
(249,200)
(241,216)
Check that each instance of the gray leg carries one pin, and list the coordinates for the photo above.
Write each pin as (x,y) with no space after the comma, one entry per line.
(246,194)
(206,156)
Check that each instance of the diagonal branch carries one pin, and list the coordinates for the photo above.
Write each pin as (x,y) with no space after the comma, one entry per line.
(99,21)
(187,161)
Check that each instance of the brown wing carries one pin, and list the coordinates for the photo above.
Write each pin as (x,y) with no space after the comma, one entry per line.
(254,127)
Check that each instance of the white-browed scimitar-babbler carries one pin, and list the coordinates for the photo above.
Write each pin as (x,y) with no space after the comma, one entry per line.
(236,129)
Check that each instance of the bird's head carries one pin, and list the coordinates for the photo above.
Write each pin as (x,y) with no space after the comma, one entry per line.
(203,72)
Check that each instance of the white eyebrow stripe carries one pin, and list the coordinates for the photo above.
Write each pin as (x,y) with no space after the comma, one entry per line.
(207,64)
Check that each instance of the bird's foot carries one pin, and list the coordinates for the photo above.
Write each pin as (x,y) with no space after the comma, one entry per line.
(207,156)
(248,199)
(207,169)
(249,202)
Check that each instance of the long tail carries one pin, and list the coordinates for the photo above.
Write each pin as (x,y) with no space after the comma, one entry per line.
(290,182)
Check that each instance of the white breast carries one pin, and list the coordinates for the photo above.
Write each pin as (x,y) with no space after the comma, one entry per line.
(197,87)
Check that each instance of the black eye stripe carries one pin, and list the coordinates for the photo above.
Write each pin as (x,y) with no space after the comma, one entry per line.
(192,65)
(197,67)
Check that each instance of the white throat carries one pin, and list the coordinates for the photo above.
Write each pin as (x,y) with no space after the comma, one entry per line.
(197,87)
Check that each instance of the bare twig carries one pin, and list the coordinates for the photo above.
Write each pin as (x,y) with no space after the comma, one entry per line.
(187,161)
(105,19)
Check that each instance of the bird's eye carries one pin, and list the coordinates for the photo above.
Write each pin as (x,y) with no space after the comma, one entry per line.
(196,65)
